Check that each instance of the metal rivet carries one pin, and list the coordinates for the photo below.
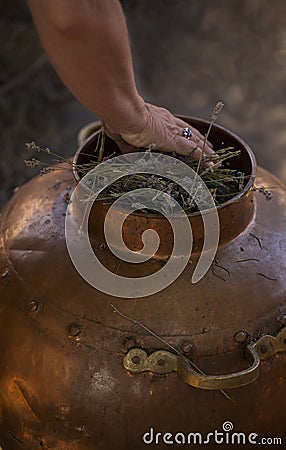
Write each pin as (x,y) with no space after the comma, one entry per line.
(263,349)
(241,337)
(33,305)
(74,330)
(282,319)
(186,346)
(135,360)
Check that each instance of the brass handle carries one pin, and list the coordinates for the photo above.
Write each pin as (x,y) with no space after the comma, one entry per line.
(163,362)
(229,381)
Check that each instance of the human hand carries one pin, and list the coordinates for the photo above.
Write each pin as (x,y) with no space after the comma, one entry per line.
(162,131)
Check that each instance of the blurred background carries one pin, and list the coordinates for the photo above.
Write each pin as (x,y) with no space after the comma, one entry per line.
(187,55)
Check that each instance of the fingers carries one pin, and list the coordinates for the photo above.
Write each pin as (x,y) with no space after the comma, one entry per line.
(197,137)
(184,146)
(173,142)
(197,142)
(165,132)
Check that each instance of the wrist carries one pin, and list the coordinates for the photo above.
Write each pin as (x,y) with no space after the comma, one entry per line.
(126,116)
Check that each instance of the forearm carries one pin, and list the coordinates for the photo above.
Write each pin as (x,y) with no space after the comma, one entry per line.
(87,42)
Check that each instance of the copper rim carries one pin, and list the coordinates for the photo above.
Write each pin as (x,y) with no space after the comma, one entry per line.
(202,125)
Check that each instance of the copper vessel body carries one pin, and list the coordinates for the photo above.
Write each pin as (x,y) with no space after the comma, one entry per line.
(63,384)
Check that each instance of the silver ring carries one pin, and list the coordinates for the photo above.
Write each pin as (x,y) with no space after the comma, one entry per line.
(187,133)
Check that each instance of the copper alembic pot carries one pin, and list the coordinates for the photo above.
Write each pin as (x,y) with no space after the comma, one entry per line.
(78,373)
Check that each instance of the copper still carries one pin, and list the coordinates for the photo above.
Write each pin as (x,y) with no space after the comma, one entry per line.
(75,375)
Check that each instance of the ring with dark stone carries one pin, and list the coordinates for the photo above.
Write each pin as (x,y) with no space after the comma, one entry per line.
(187,133)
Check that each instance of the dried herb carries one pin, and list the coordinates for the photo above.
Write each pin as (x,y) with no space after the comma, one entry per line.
(222,182)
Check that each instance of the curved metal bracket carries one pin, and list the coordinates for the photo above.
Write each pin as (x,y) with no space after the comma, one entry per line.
(163,362)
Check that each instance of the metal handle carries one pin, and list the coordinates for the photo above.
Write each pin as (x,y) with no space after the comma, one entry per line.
(163,362)
(229,381)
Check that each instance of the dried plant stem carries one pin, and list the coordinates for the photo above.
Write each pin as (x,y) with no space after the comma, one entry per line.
(102,144)
(214,115)
(218,107)
(222,182)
